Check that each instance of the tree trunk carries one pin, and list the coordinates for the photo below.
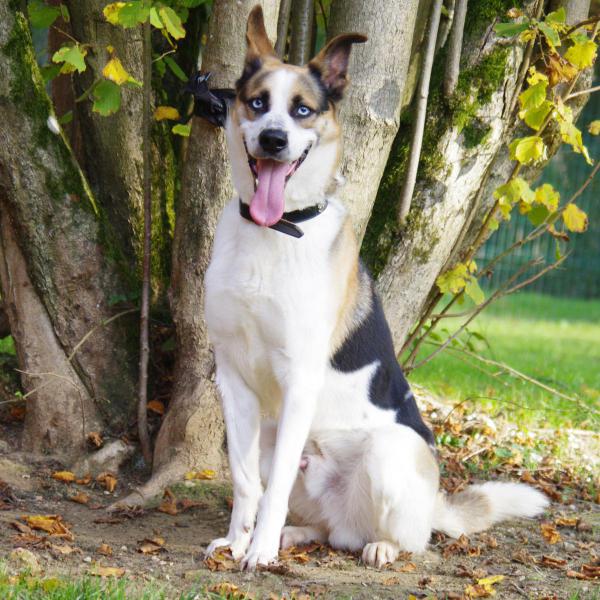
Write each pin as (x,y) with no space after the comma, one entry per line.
(50,221)
(192,432)
(463,160)
(370,112)
(113,160)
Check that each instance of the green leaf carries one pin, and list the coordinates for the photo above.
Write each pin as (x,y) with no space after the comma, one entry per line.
(66,118)
(161,67)
(176,69)
(183,130)
(558,16)
(550,34)
(172,22)
(510,29)
(49,72)
(538,214)
(41,15)
(515,190)
(74,56)
(535,117)
(582,54)
(474,292)
(528,149)
(534,96)
(64,13)
(155,19)
(192,3)
(133,13)
(107,98)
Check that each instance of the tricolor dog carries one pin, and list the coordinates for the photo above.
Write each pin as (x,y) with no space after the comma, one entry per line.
(297,328)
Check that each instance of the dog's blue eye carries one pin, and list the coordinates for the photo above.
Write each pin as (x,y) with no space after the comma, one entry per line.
(257,104)
(303,111)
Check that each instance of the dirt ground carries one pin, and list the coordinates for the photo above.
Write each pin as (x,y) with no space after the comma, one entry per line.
(554,557)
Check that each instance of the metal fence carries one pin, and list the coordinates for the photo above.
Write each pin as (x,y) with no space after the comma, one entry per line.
(579,274)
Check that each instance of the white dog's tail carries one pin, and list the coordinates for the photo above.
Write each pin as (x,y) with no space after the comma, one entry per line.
(480,506)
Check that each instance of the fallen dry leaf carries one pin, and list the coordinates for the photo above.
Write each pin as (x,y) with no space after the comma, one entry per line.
(566,521)
(186,504)
(108,480)
(152,545)
(64,476)
(230,591)
(51,524)
(221,561)
(592,571)
(100,571)
(63,549)
(484,587)
(169,503)
(28,539)
(550,533)
(553,562)
(95,439)
(85,480)
(80,498)
(156,406)
(105,550)
(21,527)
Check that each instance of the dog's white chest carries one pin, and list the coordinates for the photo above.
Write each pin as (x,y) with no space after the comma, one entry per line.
(268,305)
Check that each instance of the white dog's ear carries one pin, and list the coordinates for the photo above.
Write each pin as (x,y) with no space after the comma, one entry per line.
(331,64)
(256,36)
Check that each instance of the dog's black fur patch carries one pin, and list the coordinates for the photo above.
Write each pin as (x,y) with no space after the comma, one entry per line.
(326,97)
(372,341)
(250,68)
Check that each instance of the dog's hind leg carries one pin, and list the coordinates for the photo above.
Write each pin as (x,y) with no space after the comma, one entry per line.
(242,418)
(298,536)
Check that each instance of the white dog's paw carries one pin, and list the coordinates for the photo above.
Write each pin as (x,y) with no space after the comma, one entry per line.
(238,547)
(259,556)
(378,554)
(297,536)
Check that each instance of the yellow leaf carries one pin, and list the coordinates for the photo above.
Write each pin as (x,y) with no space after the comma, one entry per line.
(111,12)
(582,54)
(548,196)
(204,474)
(572,135)
(575,219)
(115,71)
(528,149)
(490,580)
(594,127)
(166,112)
(64,476)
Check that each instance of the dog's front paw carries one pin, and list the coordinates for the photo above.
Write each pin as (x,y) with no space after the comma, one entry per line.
(259,556)
(238,547)
(378,554)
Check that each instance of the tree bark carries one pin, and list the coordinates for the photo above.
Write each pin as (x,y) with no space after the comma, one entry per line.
(51,222)
(370,113)
(302,17)
(192,432)
(456,177)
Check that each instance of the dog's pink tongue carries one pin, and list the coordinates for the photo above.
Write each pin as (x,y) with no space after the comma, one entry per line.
(267,204)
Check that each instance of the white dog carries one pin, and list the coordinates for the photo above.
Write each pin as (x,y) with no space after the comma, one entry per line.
(378,491)
(298,330)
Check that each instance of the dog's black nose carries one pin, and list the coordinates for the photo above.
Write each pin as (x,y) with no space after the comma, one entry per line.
(273,140)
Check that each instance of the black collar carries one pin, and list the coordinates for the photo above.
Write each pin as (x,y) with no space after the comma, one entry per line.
(286,223)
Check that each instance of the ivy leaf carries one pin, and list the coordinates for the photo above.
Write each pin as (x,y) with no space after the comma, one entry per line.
(73,58)
(107,98)
(166,112)
(528,149)
(183,130)
(176,69)
(510,29)
(594,127)
(172,22)
(574,218)
(474,292)
(582,54)
(547,196)
(41,15)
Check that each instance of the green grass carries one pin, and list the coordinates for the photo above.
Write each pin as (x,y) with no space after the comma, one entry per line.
(554,340)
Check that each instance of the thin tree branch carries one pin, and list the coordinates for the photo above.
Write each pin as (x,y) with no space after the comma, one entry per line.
(301,34)
(596,88)
(283,23)
(145,309)
(455,47)
(410,178)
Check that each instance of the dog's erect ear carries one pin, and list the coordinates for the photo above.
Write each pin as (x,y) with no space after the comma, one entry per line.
(256,36)
(331,64)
